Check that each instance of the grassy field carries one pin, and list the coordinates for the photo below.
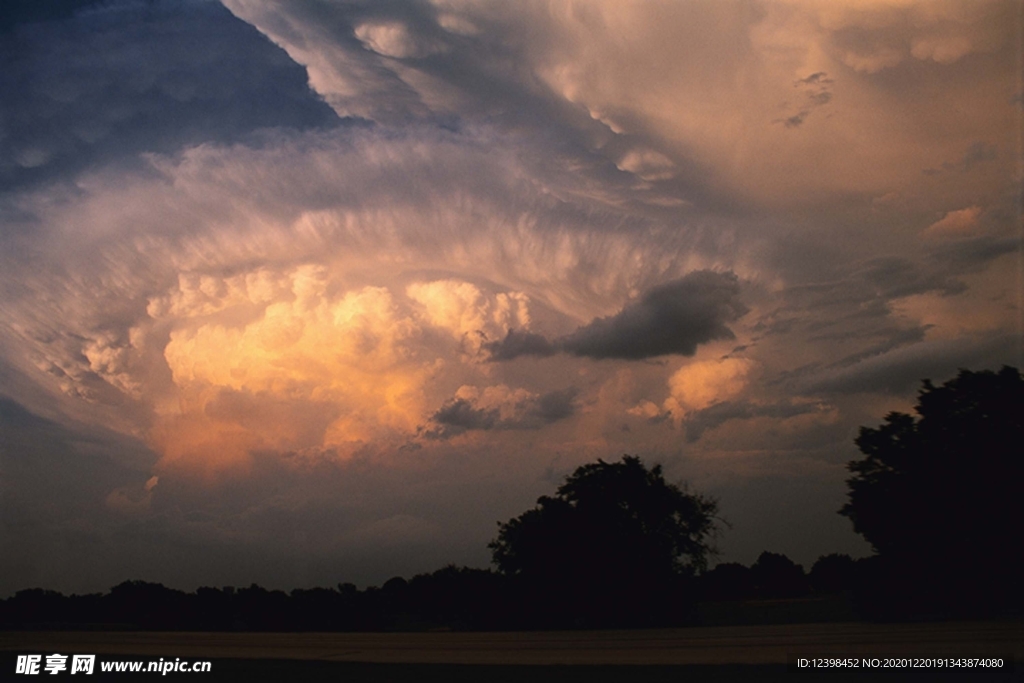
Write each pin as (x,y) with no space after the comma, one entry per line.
(710,653)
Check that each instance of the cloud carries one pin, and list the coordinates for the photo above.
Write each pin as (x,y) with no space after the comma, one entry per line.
(977,153)
(877,36)
(900,371)
(554,405)
(348,363)
(699,385)
(973,254)
(647,164)
(339,303)
(895,276)
(817,78)
(467,313)
(459,415)
(796,120)
(354,56)
(111,80)
(891,340)
(589,80)
(942,49)
(817,91)
(961,222)
(498,407)
(673,318)
(517,343)
(286,315)
(392,39)
(706,419)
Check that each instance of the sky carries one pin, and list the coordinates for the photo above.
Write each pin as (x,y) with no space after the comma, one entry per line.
(310,291)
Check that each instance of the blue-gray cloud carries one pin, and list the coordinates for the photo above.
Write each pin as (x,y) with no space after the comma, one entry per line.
(670,319)
(460,415)
(901,370)
(105,82)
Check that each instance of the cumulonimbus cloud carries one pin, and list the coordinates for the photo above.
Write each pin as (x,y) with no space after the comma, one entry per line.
(670,319)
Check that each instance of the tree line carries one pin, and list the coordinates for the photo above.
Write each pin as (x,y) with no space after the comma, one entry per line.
(451,598)
(937,496)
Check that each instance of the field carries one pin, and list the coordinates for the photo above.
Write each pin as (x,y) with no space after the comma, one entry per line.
(712,653)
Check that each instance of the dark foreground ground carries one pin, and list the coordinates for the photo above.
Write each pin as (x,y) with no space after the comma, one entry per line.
(728,653)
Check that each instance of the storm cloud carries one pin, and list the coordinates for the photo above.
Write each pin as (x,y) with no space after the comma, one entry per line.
(475,412)
(670,319)
(304,291)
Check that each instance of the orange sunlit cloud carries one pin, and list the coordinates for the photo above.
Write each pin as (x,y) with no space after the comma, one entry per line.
(955,223)
(351,352)
(702,384)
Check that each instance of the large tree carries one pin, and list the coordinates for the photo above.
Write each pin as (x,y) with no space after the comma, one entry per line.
(939,496)
(612,546)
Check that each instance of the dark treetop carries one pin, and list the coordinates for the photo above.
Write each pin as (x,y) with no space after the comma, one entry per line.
(939,496)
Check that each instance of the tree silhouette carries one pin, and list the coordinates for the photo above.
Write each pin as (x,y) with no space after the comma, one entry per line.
(776,576)
(939,497)
(833,573)
(613,546)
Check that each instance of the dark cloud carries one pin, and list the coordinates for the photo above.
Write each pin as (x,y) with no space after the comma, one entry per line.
(894,277)
(969,256)
(103,84)
(461,415)
(858,303)
(701,421)
(554,405)
(820,98)
(900,371)
(521,343)
(977,153)
(795,120)
(816,88)
(893,340)
(673,318)
(818,78)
